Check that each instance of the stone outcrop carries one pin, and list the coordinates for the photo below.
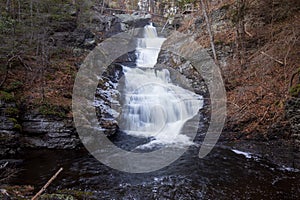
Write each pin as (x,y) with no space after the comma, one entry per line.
(293,116)
(133,21)
(9,128)
(48,131)
(106,99)
(183,68)
(31,129)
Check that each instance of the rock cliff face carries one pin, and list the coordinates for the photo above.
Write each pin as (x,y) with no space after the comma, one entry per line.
(183,68)
(106,99)
(33,129)
(9,130)
(48,131)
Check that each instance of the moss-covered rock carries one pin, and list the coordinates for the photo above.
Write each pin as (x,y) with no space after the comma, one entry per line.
(68,195)
(79,194)
(7,96)
(12,111)
(57,197)
(295,91)
(49,109)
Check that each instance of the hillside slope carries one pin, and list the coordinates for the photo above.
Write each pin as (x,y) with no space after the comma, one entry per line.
(258,63)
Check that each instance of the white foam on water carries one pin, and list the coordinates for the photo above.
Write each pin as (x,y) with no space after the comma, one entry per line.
(246,154)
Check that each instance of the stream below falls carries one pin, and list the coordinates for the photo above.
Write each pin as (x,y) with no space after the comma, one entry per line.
(223,174)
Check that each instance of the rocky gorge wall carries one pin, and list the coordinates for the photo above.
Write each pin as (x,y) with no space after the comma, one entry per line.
(22,126)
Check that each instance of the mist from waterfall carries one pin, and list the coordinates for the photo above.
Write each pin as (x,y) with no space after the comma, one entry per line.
(154,107)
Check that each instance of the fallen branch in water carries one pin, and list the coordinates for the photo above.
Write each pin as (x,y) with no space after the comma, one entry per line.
(3,165)
(47,184)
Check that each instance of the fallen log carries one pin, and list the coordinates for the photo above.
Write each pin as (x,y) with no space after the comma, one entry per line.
(46,185)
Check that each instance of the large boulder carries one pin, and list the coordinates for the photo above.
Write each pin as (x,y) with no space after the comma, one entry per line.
(133,21)
(184,69)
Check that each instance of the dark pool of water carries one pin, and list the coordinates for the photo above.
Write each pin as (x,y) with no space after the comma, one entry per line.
(223,174)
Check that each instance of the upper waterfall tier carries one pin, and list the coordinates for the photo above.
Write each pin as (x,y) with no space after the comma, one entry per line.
(148,47)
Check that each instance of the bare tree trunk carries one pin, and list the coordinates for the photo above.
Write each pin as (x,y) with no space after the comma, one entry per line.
(102,9)
(7,7)
(43,67)
(211,37)
(31,21)
(45,62)
(240,31)
(19,11)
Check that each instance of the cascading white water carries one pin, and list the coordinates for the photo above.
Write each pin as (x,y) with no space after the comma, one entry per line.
(154,107)
(148,48)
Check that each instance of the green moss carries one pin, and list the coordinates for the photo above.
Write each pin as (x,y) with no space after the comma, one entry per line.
(7,96)
(56,197)
(14,86)
(17,126)
(12,111)
(60,17)
(219,42)
(225,7)
(295,90)
(13,120)
(68,195)
(6,25)
(48,109)
(50,77)
(78,194)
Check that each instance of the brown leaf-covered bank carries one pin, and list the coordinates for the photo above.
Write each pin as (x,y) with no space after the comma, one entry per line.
(257,44)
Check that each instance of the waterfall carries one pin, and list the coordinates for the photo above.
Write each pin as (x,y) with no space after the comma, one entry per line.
(154,107)
(148,48)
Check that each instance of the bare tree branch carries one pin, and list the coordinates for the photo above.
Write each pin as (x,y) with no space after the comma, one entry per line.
(47,184)
(272,58)
(209,30)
